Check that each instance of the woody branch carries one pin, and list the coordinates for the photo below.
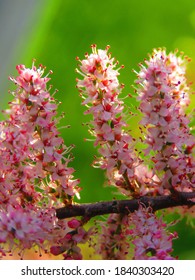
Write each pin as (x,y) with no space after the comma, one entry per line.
(90,210)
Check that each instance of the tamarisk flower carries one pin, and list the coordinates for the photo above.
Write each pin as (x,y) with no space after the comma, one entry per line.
(100,89)
(151,239)
(34,174)
(163,93)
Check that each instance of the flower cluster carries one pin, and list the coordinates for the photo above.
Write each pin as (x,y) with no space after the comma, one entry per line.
(163,92)
(150,237)
(147,233)
(22,229)
(100,89)
(34,174)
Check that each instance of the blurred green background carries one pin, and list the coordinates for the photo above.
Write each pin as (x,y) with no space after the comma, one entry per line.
(56,31)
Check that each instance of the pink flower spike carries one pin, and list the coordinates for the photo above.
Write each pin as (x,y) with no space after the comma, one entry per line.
(100,90)
(35,178)
(163,93)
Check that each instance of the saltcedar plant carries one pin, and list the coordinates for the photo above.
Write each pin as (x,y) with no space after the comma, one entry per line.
(37,185)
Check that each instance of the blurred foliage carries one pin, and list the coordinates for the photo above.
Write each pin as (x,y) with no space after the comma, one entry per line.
(132,29)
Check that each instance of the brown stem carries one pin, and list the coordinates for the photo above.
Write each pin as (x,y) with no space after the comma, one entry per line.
(89,210)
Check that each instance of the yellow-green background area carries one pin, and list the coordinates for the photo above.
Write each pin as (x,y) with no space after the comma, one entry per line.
(64,29)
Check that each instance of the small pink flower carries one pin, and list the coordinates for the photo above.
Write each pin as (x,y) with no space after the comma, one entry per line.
(74,223)
(57,250)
